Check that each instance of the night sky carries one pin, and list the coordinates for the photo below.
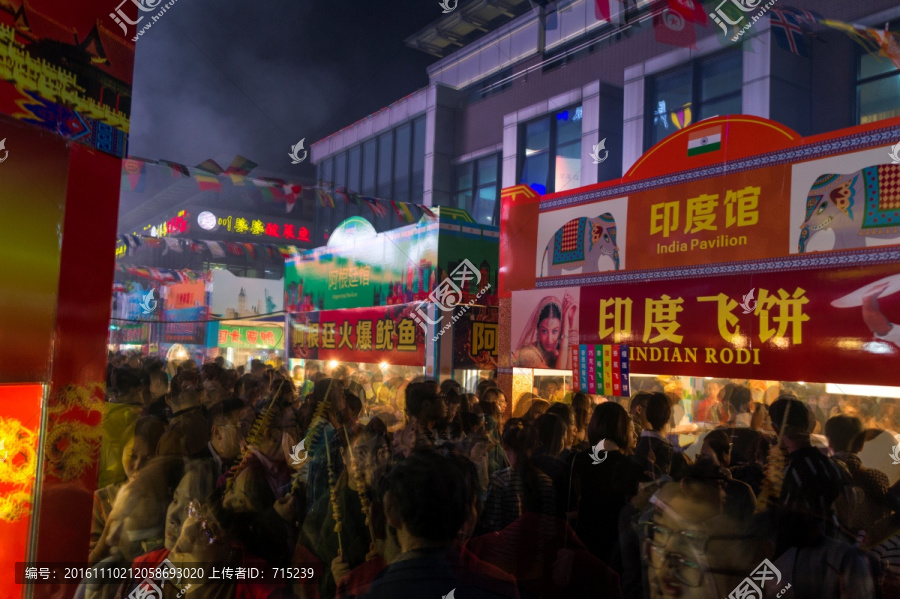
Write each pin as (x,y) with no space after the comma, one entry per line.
(215,78)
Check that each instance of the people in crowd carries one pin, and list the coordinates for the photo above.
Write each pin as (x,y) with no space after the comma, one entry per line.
(415,488)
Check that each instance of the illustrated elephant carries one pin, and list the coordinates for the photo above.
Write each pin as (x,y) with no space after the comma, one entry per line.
(581,243)
(863,204)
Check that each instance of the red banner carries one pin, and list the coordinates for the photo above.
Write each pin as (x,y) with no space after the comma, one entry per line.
(812,325)
(367,335)
(20,422)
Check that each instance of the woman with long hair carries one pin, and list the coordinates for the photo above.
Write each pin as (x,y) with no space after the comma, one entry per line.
(549,333)
(604,480)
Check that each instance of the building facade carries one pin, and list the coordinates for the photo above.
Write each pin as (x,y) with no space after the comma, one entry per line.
(531,98)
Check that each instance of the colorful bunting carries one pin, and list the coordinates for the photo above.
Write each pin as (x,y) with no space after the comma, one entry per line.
(670,27)
(788,32)
(209,176)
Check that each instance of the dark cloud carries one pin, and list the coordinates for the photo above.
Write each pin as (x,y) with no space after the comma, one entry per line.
(215,78)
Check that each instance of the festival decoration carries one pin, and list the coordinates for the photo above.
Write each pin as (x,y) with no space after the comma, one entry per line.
(210,177)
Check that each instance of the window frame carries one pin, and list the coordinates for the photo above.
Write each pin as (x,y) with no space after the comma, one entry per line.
(477,185)
(695,67)
(859,82)
(552,145)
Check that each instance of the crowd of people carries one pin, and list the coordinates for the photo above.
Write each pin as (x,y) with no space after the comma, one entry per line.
(406,487)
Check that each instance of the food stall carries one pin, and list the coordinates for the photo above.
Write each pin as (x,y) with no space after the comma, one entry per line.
(761,260)
(382,302)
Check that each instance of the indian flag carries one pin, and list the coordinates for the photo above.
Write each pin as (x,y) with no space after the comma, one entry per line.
(705,140)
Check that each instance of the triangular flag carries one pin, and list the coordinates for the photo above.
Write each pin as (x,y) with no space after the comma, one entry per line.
(325,199)
(205,181)
(215,249)
(407,215)
(177,170)
(211,166)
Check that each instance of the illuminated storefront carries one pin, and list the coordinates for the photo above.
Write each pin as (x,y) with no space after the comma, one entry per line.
(752,268)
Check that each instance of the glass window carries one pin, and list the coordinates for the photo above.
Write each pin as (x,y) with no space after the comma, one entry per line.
(402,148)
(707,87)
(478,187)
(369,164)
(551,159)
(353,169)
(340,170)
(536,161)
(418,160)
(877,89)
(669,93)
(326,170)
(465,184)
(385,151)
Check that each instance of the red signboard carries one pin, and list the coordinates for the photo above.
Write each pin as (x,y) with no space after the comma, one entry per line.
(809,325)
(20,422)
(367,335)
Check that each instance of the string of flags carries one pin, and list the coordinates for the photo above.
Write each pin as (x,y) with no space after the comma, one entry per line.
(210,177)
(675,21)
(166,275)
(216,249)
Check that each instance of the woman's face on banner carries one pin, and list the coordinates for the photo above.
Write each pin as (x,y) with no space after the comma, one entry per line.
(548,333)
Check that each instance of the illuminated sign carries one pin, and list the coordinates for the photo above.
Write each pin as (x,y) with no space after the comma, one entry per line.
(206,220)
(177,225)
(257,227)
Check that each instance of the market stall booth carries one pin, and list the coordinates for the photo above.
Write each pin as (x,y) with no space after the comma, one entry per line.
(246,319)
(383,303)
(733,250)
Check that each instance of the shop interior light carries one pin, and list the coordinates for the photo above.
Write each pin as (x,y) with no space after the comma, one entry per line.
(332,363)
(867,390)
(383,365)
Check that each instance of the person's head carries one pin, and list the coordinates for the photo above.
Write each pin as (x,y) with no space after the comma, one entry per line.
(159,383)
(370,451)
(136,523)
(611,421)
(424,403)
(257,368)
(184,391)
(567,415)
(538,406)
(127,384)
(425,499)
(717,444)
(843,433)
(790,417)
(141,448)
(496,396)
(582,406)
(197,483)
(225,428)
(638,409)
(249,490)
(341,373)
(689,553)
(332,391)
(549,327)
(549,432)
(514,439)
(202,537)
(659,410)
(738,398)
